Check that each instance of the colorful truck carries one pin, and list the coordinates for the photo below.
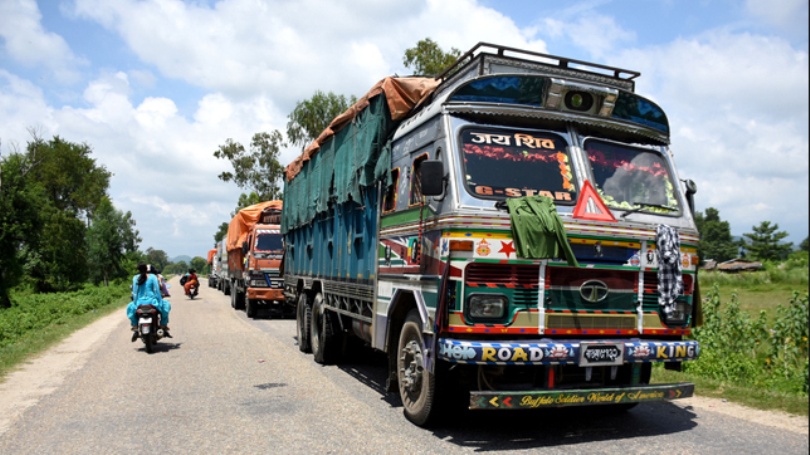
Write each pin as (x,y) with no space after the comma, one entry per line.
(513,234)
(255,250)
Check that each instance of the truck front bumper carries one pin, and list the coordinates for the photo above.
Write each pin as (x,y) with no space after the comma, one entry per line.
(556,398)
(566,352)
(265,294)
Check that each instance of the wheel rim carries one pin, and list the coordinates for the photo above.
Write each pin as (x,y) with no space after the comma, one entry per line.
(411,371)
(317,318)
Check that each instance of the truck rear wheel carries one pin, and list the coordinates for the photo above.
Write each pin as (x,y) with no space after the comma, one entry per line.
(417,386)
(303,319)
(324,333)
(226,288)
(233,299)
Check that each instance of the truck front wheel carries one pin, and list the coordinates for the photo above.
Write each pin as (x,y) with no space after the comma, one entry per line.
(417,386)
(250,307)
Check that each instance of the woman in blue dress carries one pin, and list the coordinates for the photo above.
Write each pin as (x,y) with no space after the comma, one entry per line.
(146,291)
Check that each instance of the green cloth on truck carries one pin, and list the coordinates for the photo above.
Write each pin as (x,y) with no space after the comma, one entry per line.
(538,230)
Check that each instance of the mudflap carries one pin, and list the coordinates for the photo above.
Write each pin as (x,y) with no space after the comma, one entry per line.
(556,398)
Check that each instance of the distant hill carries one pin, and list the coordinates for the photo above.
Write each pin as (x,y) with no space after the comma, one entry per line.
(181,258)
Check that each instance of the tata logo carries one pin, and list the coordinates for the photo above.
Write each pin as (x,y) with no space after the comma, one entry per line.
(593,291)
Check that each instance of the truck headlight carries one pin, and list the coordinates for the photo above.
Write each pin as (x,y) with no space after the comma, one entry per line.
(258,281)
(680,315)
(486,306)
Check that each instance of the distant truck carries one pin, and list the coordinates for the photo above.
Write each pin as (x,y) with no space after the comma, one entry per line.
(223,277)
(216,269)
(401,221)
(255,250)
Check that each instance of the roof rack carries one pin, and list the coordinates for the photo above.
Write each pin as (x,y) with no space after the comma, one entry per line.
(561,62)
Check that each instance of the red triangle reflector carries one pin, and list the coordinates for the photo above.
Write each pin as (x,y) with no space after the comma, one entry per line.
(587,195)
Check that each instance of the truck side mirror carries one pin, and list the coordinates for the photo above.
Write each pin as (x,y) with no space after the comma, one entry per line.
(244,247)
(691,189)
(432,178)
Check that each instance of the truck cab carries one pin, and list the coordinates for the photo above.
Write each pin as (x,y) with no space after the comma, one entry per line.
(257,280)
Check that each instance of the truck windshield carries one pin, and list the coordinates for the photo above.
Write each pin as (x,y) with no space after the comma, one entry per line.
(506,163)
(268,244)
(632,178)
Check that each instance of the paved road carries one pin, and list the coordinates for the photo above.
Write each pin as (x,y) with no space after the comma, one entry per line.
(228,384)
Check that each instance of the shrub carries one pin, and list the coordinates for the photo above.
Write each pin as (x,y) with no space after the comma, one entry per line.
(739,349)
(30,312)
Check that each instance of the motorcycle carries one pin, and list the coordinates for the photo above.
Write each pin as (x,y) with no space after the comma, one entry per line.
(193,291)
(149,330)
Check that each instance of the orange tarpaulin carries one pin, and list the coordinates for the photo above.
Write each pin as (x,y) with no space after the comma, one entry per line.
(211,254)
(244,220)
(401,94)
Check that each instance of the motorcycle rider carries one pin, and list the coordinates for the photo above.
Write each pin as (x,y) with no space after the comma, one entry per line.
(191,281)
(164,288)
(146,291)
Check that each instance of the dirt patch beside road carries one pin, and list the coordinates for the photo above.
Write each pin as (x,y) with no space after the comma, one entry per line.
(44,374)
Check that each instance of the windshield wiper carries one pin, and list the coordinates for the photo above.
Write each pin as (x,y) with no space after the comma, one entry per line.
(644,205)
(501,205)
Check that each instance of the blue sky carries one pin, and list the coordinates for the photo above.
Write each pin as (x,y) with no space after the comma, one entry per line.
(154,86)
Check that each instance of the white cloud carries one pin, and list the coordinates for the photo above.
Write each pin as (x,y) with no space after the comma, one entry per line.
(787,16)
(28,43)
(596,33)
(287,50)
(738,107)
(163,164)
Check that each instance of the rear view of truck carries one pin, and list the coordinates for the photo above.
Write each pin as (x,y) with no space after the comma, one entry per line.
(255,250)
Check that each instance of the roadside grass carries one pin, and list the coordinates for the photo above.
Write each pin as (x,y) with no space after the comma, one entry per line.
(754,397)
(757,361)
(26,334)
(758,291)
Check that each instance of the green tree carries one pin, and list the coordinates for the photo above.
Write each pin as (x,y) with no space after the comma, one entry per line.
(804,246)
(427,58)
(310,117)
(74,185)
(715,237)
(110,236)
(158,258)
(245,200)
(178,268)
(21,197)
(765,242)
(258,169)
(221,233)
(198,264)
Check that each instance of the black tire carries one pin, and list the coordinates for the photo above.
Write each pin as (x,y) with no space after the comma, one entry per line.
(417,386)
(240,300)
(303,319)
(149,341)
(226,287)
(250,307)
(233,299)
(325,333)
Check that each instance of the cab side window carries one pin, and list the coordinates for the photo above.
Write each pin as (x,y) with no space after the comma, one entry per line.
(390,201)
(416,180)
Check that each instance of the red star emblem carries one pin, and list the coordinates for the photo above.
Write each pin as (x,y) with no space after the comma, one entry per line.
(507,248)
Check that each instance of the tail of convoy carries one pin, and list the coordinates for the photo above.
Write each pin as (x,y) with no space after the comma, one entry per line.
(255,250)
(515,229)
(213,266)
(223,276)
